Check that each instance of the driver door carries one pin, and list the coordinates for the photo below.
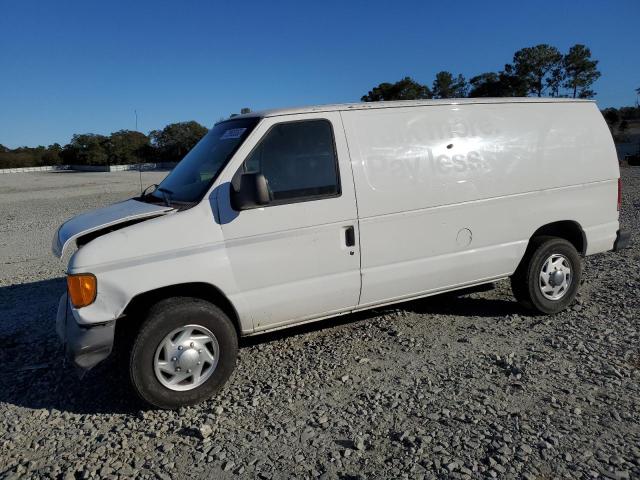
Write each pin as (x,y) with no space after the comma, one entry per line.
(297,258)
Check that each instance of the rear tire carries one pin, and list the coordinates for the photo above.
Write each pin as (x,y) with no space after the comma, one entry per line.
(548,276)
(207,343)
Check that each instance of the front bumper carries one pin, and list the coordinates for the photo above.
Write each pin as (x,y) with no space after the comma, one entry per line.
(623,240)
(85,346)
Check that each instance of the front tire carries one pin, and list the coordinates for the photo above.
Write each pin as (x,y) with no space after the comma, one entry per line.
(184,353)
(548,276)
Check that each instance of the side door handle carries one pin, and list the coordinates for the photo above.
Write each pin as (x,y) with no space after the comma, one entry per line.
(350,236)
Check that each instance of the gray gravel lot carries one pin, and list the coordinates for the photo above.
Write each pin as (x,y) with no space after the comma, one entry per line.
(454,386)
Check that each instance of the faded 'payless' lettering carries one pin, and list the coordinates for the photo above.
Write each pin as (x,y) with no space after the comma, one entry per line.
(415,167)
(459,162)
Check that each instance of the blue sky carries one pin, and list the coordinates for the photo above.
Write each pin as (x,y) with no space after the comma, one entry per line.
(73,67)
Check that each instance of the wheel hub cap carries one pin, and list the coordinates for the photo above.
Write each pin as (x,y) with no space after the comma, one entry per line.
(555,277)
(186,357)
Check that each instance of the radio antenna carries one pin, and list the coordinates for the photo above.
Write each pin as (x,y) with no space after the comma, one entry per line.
(135,112)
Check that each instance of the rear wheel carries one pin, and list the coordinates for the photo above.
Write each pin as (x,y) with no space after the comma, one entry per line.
(184,353)
(548,277)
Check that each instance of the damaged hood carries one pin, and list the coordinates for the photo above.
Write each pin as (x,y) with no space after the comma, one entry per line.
(103,218)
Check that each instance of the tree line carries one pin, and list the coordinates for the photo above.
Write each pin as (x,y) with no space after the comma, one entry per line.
(121,147)
(538,70)
(618,120)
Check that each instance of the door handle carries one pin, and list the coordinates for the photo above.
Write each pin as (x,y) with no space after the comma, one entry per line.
(350,236)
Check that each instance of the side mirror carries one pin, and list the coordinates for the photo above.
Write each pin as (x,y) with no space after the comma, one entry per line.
(253,192)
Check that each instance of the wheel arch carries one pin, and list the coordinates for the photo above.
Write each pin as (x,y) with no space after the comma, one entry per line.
(139,304)
(569,230)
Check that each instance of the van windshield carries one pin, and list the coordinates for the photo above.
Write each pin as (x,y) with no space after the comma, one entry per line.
(192,177)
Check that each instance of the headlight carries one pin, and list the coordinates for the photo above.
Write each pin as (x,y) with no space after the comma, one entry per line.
(82,288)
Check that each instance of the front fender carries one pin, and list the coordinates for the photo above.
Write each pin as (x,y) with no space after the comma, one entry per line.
(175,249)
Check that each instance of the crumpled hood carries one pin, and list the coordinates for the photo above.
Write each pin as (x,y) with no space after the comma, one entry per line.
(103,218)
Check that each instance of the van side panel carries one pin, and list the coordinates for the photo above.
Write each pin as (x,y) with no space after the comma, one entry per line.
(450,194)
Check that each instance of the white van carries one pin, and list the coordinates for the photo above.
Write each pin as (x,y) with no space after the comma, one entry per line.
(282,217)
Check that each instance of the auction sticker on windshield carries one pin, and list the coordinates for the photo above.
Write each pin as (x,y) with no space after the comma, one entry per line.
(232,133)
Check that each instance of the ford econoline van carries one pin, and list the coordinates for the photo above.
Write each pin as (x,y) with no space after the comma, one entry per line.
(282,217)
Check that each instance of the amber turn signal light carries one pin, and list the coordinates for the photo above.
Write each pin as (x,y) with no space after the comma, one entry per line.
(82,289)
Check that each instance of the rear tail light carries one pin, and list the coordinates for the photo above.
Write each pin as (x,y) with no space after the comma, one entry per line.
(619,193)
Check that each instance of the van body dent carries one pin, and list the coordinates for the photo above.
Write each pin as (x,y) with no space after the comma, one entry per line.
(288,216)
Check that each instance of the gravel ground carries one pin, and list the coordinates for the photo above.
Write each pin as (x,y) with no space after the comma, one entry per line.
(460,386)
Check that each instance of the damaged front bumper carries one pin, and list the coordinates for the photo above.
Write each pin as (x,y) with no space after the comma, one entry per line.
(84,346)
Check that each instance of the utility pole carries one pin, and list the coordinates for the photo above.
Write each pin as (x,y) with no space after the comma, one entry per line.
(135,112)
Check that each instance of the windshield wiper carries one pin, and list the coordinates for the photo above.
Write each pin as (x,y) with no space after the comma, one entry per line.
(166,195)
(146,191)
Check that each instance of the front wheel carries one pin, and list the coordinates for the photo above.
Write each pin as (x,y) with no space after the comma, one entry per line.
(548,277)
(184,352)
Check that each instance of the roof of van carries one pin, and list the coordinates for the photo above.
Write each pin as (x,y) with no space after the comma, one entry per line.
(403,103)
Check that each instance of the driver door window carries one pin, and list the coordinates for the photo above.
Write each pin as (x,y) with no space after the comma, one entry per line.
(298,160)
